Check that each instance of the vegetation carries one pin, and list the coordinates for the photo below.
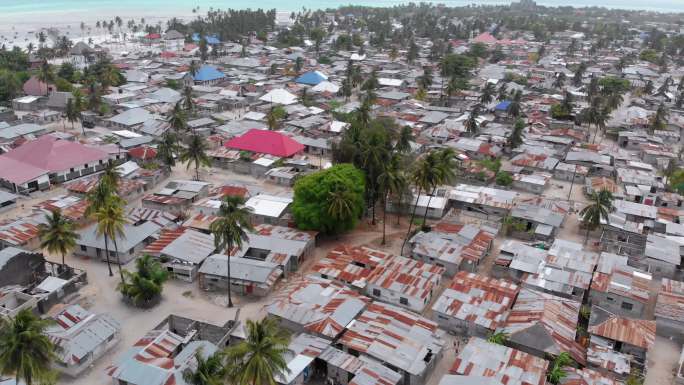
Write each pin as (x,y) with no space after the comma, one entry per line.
(210,370)
(145,285)
(596,211)
(329,201)
(57,235)
(229,230)
(195,154)
(557,372)
(498,338)
(26,353)
(260,358)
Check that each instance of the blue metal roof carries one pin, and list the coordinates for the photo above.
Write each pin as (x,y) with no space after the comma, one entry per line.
(211,39)
(311,78)
(503,106)
(208,73)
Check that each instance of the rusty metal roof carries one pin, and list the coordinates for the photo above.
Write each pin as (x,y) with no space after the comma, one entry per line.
(474,298)
(670,303)
(636,332)
(507,365)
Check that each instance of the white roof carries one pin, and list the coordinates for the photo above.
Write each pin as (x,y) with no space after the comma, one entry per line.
(127,168)
(51,284)
(264,161)
(390,82)
(326,86)
(296,367)
(279,96)
(268,205)
(126,134)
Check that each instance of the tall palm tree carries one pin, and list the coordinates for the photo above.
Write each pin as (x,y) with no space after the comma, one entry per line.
(487,94)
(57,235)
(274,116)
(516,137)
(25,350)
(471,124)
(72,114)
(111,176)
(110,225)
(188,101)
(195,153)
(404,140)
(179,120)
(559,80)
(209,370)
(392,181)
(514,109)
(168,148)
(503,93)
(229,230)
(597,210)
(260,358)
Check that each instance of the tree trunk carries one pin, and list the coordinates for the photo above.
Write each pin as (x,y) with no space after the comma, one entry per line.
(63,261)
(586,237)
(384,219)
(230,297)
(109,265)
(428,206)
(413,215)
(118,260)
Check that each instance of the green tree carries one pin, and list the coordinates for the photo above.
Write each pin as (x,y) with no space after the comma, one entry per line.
(110,225)
(209,370)
(498,338)
(596,211)
(317,35)
(72,113)
(188,100)
(274,116)
(168,149)
(392,182)
(516,137)
(515,107)
(487,94)
(145,284)
(178,119)
(260,358)
(10,86)
(57,234)
(559,80)
(557,372)
(471,124)
(26,352)
(195,153)
(503,178)
(330,201)
(229,230)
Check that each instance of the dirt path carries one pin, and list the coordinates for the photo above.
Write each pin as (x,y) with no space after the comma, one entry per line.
(662,362)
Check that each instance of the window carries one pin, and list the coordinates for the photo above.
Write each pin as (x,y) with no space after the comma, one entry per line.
(71,170)
(627,306)
(84,248)
(403,301)
(376,292)
(85,165)
(610,299)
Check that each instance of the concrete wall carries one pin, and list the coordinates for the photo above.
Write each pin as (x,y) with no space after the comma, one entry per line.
(460,327)
(22,269)
(670,329)
(613,303)
(413,303)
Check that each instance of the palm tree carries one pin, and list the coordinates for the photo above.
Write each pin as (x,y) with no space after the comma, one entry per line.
(392,181)
(487,94)
(659,119)
(168,148)
(178,119)
(498,338)
(194,68)
(274,116)
(45,73)
(557,373)
(299,63)
(514,108)
(72,113)
(516,137)
(110,224)
(404,140)
(195,153)
(597,210)
(471,124)
(57,235)
(26,352)
(260,358)
(425,81)
(503,93)
(230,230)
(559,80)
(146,284)
(209,370)
(188,101)
(110,176)
(340,204)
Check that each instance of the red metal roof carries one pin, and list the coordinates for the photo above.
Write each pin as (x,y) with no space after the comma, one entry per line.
(266,142)
(143,152)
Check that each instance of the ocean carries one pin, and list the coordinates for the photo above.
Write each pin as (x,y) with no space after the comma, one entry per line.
(20,19)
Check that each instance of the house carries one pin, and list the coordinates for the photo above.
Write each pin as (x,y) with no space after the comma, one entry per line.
(474,305)
(662,257)
(544,325)
(247,276)
(285,246)
(454,247)
(311,78)
(176,196)
(21,232)
(317,306)
(81,338)
(19,267)
(383,276)
(35,87)
(38,163)
(12,133)
(436,205)
(669,309)
(266,142)
(300,357)
(269,209)
(627,336)
(535,222)
(166,352)
(134,239)
(481,360)
(586,376)
(208,75)
(564,270)
(13,300)
(279,96)
(403,341)
(346,369)
(132,119)
(8,201)
(482,201)
(182,251)
(619,288)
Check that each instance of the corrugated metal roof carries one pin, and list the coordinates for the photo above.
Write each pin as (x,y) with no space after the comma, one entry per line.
(474,298)
(509,366)
(670,303)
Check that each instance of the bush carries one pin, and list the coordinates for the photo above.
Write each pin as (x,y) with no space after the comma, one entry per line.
(143,288)
(504,179)
(329,201)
